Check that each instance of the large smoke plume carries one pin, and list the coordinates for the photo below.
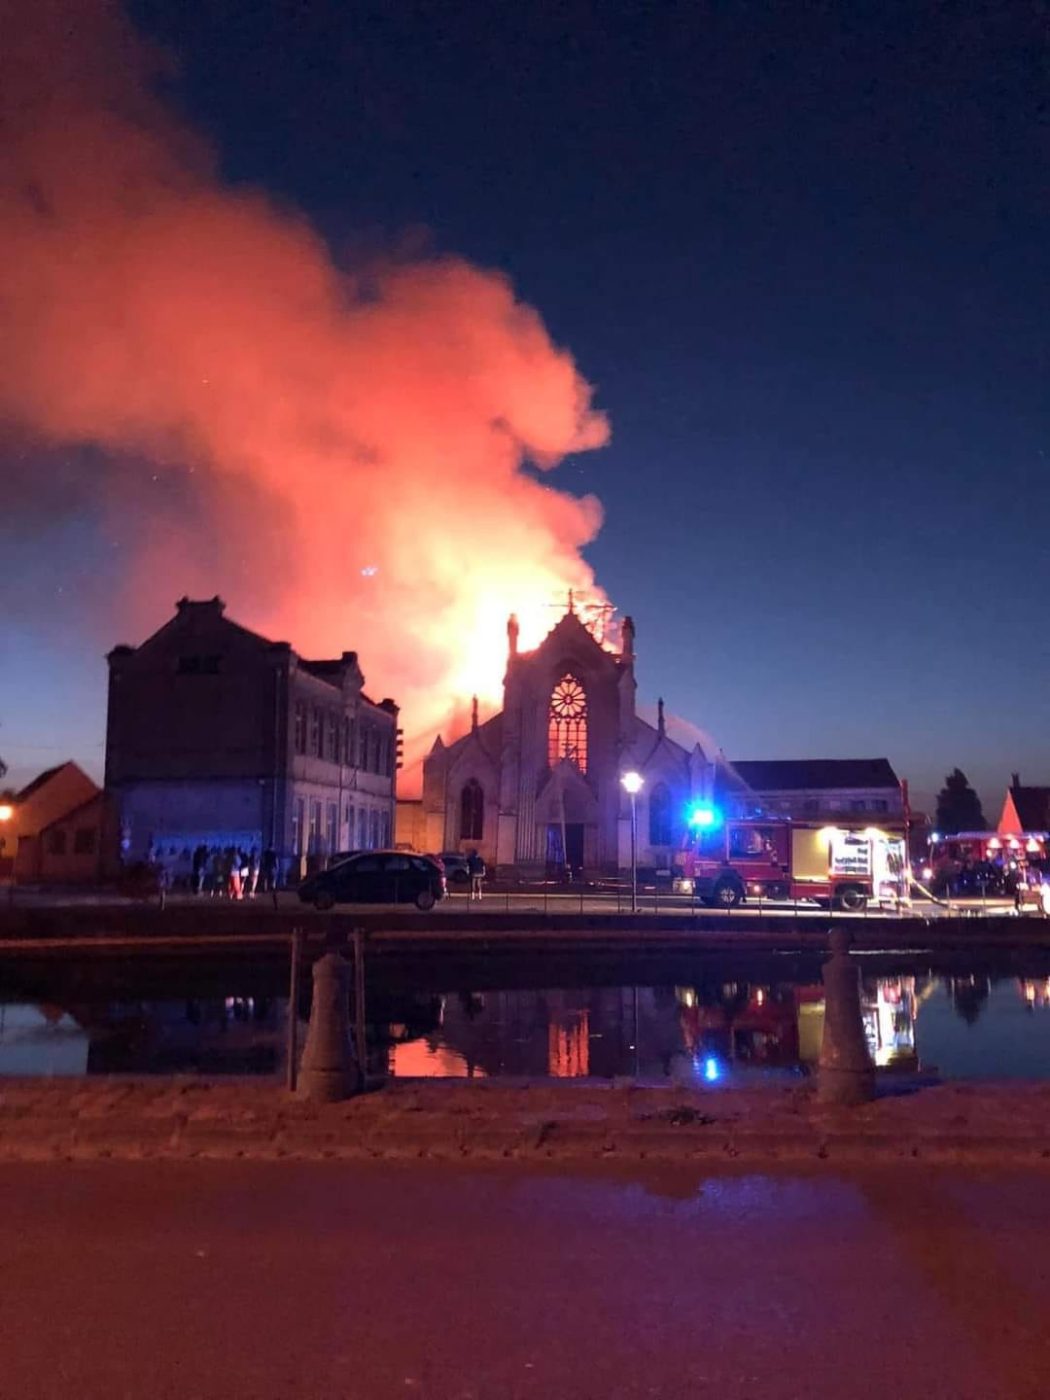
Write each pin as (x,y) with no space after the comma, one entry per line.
(344,453)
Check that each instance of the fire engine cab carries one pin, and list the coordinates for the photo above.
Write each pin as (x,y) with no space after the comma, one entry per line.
(727,861)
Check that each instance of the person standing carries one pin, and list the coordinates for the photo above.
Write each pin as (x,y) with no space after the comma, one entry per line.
(476,871)
(232,872)
(268,870)
(216,875)
(253,872)
(200,862)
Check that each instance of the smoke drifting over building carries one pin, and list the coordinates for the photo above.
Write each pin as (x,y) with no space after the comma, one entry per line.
(342,452)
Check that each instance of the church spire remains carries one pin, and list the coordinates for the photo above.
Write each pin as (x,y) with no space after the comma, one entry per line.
(627,639)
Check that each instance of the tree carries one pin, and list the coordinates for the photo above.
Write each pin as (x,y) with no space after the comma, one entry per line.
(958,806)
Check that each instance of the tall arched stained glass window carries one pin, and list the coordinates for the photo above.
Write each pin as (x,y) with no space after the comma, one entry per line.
(567,727)
(660,816)
(471,811)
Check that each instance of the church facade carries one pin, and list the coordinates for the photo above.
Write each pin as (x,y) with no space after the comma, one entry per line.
(537,788)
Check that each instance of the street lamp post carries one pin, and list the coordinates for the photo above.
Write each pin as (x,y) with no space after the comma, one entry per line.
(6,813)
(632,783)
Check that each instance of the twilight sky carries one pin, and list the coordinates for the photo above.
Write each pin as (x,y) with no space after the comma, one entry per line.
(798,252)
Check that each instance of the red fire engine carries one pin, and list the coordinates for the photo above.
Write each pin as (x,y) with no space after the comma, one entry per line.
(726,862)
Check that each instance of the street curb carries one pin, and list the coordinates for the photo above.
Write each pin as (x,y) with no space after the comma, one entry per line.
(540,1122)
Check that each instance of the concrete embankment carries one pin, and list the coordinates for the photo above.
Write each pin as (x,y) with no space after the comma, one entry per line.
(120,1119)
(392,929)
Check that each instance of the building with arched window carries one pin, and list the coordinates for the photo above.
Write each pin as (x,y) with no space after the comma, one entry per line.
(537,789)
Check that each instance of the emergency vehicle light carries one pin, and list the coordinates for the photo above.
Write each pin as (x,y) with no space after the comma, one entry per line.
(705,817)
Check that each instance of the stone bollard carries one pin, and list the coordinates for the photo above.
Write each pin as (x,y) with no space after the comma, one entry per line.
(328,1071)
(845,1072)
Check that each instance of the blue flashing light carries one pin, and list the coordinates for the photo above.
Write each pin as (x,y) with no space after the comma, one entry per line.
(712,1070)
(705,818)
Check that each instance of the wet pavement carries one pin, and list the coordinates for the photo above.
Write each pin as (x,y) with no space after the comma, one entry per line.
(332,1280)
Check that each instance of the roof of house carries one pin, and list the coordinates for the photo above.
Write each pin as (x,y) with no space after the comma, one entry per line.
(804,774)
(1032,805)
(40,781)
(94,800)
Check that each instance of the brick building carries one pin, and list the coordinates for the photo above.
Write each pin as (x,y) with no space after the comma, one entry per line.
(218,736)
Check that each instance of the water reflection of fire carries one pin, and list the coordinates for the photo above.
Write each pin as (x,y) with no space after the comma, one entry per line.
(569,1046)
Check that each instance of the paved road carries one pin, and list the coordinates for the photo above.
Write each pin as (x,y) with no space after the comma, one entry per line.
(323,1280)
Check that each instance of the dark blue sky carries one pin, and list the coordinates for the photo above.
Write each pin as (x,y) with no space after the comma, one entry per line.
(801,252)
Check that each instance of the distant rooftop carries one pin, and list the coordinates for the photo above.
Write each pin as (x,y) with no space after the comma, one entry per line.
(816,774)
(1032,805)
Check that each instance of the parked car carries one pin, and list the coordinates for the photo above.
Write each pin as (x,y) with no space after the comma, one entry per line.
(454,864)
(376,877)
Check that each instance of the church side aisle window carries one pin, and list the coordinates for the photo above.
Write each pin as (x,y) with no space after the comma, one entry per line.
(471,811)
(567,732)
(660,816)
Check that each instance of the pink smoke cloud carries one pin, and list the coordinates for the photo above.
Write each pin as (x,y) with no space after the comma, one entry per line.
(379,419)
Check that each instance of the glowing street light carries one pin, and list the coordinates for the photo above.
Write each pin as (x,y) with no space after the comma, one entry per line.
(632,785)
(6,813)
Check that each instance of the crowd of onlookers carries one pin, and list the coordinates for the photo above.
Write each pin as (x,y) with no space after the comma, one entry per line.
(228,872)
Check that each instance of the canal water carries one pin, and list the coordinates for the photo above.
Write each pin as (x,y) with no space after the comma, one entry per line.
(710,1030)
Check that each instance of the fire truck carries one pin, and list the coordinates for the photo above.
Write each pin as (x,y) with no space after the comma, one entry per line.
(725,862)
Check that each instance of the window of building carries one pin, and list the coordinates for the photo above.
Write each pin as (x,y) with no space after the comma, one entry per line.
(315,732)
(386,828)
(56,842)
(811,806)
(346,753)
(375,830)
(471,811)
(84,841)
(372,764)
(858,805)
(349,825)
(198,665)
(298,822)
(332,832)
(383,760)
(331,746)
(315,828)
(362,747)
(362,829)
(660,816)
(567,723)
(300,727)
(879,804)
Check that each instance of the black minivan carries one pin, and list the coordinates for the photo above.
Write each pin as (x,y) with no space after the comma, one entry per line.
(376,877)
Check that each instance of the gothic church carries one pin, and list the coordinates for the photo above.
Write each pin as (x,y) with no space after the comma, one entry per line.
(536,788)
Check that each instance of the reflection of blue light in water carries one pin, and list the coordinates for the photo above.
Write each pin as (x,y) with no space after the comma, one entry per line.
(712,1070)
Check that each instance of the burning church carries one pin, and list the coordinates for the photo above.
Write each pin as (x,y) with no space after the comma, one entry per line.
(538,786)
